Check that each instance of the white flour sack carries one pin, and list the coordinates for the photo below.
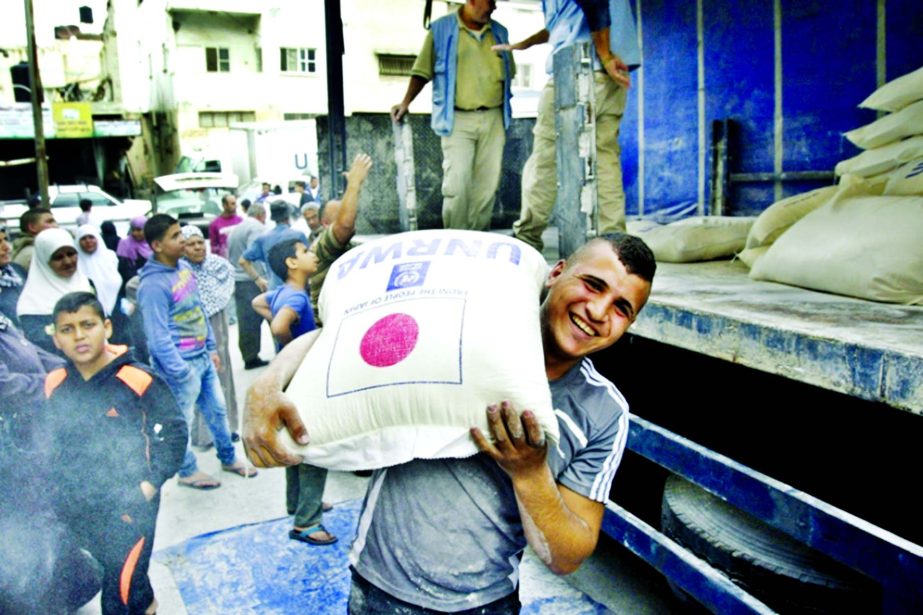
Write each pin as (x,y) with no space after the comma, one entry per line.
(422,331)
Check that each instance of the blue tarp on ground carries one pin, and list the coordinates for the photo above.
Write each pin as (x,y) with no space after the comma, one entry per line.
(257,569)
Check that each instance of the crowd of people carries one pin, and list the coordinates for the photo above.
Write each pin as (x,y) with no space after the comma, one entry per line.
(121,344)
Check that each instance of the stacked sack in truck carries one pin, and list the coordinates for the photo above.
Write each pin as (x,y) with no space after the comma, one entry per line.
(860,238)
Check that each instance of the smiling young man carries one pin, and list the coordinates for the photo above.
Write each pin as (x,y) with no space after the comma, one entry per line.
(447,534)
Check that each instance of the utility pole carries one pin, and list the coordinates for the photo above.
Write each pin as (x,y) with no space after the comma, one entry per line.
(41,160)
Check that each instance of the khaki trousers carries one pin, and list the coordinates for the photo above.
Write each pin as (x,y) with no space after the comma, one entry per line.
(471,159)
(539,177)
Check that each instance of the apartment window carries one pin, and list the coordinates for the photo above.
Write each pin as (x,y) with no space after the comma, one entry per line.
(223,119)
(523,77)
(290,117)
(217,59)
(390,64)
(300,60)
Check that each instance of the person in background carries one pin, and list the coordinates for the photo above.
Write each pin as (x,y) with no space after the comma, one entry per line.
(115,436)
(110,235)
(249,324)
(182,346)
(265,193)
(215,279)
(221,226)
(288,309)
(314,186)
(52,275)
(301,188)
(245,205)
(281,214)
(86,212)
(31,223)
(611,28)
(133,250)
(12,278)
(471,108)
(101,266)
(309,222)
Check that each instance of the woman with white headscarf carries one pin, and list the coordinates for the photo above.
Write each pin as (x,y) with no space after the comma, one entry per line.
(52,274)
(101,266)
(215,279)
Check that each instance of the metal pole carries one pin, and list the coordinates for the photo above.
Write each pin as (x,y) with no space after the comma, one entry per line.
(336,128)
(41,159)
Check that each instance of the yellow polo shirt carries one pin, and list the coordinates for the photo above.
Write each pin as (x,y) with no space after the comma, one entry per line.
(479,75)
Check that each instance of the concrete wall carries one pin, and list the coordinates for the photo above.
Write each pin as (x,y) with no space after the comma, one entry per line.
(371,133)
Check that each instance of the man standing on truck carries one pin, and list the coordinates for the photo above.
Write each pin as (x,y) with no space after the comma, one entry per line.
(471,108)
(611,28)
(426,524)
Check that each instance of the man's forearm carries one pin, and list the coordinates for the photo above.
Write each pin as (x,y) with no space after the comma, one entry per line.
(559,536)
(536,39)
(414,87)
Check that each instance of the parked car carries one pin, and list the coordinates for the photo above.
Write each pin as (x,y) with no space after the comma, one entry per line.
(65,205)
(193,198)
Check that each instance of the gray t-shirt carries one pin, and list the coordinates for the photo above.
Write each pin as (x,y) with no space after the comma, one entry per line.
(446,534)
(239,240)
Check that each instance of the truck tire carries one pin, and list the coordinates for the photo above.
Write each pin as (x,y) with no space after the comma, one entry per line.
(787,575)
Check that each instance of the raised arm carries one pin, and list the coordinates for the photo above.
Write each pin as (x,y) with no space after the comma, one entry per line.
(344,227)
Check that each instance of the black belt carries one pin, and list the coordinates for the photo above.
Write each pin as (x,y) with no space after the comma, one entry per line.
(478,109)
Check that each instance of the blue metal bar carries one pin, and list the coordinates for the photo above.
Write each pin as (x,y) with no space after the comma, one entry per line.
(893,561)
(696,576)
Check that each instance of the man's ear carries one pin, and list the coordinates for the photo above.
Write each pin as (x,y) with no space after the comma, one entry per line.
(294,263)
(107,325)
(155,246)
(556,270)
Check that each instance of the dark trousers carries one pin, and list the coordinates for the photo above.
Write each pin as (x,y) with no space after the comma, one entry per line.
(304,491)
(366,599)
(249,323)
(122,544)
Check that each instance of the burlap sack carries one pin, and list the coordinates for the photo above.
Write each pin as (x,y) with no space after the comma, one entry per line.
(700,238)
(866,247)
(889,128)
(896,94)
(882,159)
(906,180)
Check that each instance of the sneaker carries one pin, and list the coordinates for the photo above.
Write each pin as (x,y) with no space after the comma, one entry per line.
(255,363)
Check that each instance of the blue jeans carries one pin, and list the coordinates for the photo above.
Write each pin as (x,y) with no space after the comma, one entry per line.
(202,389)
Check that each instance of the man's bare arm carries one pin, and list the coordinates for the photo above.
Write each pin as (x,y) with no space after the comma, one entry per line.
(254,274)
(344,227)
(536,39)
(414,87)
(268,410)
(561,525)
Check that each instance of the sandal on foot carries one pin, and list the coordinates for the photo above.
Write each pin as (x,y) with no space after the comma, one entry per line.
(305,535)
(240,470)
(199,480)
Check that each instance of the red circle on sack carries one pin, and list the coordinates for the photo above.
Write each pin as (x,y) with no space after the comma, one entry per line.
(389,340)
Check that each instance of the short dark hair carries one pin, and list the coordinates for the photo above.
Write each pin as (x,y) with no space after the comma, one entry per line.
(156,227)
(72,302)
(631,251)
(225,197)
(301,183)
(30,217)
(278,253)
(245,204)
(85,204)
(280,211)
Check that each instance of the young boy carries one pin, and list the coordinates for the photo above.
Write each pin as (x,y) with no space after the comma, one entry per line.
(288,309)
(182,346)
(116,434)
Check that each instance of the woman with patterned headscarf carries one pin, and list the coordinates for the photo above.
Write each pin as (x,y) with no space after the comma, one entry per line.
(215,280)
(52,274)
